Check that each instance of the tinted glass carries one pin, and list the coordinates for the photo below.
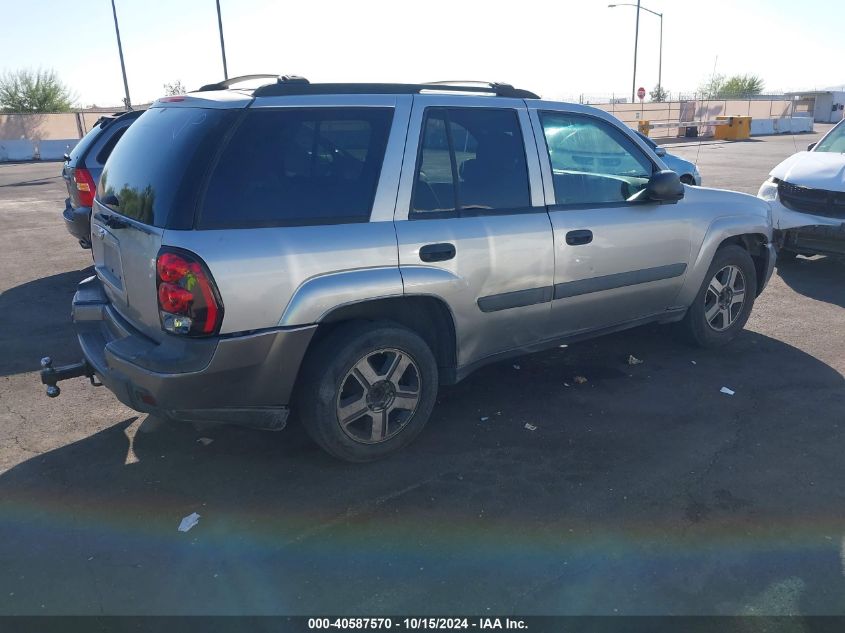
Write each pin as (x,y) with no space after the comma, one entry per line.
(79,150)
(434,189)
(298,166)
(484,147)
(155,171)
(592,162)
(103,154)
(834,141)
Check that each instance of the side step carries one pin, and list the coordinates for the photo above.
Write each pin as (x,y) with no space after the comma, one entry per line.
(51,375)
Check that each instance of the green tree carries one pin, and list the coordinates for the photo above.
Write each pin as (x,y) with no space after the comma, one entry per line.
(175,88)
(711,87)
(741,86)
(721,87)
(659,94)
(34,91)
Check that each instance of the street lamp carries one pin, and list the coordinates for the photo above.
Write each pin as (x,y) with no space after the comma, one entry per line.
(636,36)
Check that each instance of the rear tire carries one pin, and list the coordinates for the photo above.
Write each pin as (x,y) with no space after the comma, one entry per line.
(367,390)
(724,302)
(687,179)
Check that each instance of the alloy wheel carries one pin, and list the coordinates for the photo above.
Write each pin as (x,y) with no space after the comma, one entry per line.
(378,396)
(725,298)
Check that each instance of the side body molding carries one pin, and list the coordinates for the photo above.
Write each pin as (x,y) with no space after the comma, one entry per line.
(319,295)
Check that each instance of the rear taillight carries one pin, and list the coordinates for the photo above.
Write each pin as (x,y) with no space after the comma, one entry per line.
(188,301)
(85,186)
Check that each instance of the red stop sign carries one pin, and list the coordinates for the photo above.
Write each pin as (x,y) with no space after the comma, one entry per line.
(641,93)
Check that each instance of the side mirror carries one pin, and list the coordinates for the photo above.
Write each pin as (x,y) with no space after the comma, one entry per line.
(664,186)
(810,147)
(660,151)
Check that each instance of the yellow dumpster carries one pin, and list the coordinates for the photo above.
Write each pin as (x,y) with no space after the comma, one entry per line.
(644,126)
(738,128)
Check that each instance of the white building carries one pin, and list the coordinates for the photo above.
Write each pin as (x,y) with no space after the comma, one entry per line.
(826,106)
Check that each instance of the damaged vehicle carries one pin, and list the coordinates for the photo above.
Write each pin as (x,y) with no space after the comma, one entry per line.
(339,251)
(807,194)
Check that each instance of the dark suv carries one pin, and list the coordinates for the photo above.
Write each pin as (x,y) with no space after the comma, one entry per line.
(83,167)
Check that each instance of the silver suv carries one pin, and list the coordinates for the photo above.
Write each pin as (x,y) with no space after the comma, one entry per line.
(340,250)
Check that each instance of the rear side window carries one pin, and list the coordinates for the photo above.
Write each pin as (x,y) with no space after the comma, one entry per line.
(105,152)
(154,174)
(292,167)
(81,148)
(471,159)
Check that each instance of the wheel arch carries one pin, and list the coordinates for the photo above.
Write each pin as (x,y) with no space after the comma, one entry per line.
(426,315)
(755,244)
(748,231)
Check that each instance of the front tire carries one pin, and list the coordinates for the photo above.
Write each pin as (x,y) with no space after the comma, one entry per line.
(367,390)
(724,302)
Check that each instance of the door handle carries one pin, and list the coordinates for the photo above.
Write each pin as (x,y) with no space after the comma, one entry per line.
(437,252)
(576,238)
(110,221)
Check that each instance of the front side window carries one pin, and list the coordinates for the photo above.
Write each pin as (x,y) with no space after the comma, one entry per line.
(294,166)
(834,141)
(592,162)
(471,159)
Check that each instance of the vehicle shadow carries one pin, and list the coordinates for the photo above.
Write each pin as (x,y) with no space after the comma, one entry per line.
(819,278)
(29,327)
(644,475)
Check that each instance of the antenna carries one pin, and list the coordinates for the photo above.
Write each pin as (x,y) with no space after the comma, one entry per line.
(709,93)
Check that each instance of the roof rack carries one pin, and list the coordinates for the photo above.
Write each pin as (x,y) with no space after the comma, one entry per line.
(228,83)
(290,85)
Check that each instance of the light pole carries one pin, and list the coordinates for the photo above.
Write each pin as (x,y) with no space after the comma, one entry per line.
(120,52)
(222,45)
(636,36)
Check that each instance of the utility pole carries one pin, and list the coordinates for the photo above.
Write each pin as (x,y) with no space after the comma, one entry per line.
(636,38)
(222,44)
(127,101)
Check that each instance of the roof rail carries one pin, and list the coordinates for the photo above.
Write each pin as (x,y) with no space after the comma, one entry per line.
(299,86)
(222,85)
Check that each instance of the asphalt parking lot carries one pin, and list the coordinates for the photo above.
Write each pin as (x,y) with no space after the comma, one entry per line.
(643,491)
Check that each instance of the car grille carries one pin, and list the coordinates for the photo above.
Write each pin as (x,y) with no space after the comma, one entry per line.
(830,204)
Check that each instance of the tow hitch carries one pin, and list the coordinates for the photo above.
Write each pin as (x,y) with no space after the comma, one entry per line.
(51,375)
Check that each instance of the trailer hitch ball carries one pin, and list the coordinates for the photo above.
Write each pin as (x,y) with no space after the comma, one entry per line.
(53,391)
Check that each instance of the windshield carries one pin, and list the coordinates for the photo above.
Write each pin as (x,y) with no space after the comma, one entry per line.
(158,164)
(834,141)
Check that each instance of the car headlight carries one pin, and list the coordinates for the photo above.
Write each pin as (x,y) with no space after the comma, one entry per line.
(769,190)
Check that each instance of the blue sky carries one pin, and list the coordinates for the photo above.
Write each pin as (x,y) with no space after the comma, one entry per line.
(559,49)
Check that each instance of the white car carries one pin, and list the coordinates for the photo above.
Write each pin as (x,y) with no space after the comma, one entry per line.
(807,196)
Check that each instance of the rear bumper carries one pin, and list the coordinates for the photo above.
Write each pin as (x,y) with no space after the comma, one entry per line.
(244,380)
(78,221)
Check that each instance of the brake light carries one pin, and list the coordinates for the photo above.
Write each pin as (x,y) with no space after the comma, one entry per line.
(188,301)
(85,186)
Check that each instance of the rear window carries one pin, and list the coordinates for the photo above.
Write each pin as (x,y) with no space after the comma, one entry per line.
(292,167)
(81,148)
(155,173)
(108,148)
